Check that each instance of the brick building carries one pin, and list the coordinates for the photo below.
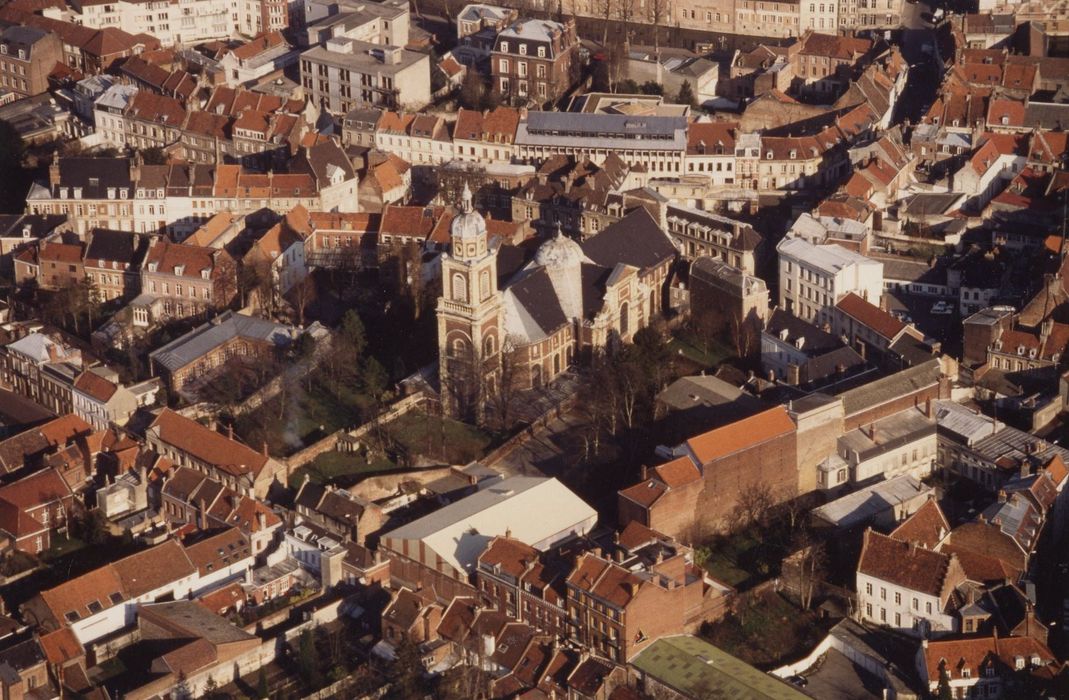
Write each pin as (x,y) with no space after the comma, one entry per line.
(701,487)
(534,61)
(32,508)
(112,263)
(27,56)
(189,279)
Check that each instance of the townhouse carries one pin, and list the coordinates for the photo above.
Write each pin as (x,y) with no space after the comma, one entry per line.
(41,367)
(711,152)
(152,121)
(534,61)
(33,508)
(27,56)
(126,195)
(418,139)
(486,137)
(191,498)
(188,280)
(112,263)
(907,587)
(339,512)
(194,23)
(187,443)
(813,278)
(105,600)
(989,666)
(701,233)
(102,400)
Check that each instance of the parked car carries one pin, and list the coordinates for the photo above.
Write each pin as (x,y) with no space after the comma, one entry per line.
(942,308)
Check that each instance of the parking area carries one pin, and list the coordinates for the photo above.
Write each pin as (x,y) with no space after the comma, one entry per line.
(838,678)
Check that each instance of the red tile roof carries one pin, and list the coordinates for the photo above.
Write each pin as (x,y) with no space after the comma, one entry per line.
(871,316)
(741,435)
(913,568)
(207,445)
(93,385)
(927,527)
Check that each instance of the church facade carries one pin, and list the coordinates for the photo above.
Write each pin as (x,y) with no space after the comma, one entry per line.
(527,325)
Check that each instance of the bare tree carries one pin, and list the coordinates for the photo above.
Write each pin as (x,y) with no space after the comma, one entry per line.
(810,561)
(657,11)
(605,11)
(753,506)
(303,293)
(503,393)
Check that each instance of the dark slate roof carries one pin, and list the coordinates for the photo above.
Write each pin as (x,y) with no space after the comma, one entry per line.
(817,342)
(593,280)
(635,240)
(94,175)
(310,495)
(118,246)
(536,294)
(829,364)
(327,153)
(12,225)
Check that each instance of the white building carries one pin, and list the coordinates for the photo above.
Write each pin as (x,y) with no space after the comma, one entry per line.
(108,114)
(347,73)
(907,587)
(105,600)
(536,511)
(813,278)
(902,443)
(186,23)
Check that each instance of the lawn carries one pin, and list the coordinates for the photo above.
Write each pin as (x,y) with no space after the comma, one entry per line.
(767,631)
(705,355)
(439,439)
(745,558)
(340,467)
(63,545)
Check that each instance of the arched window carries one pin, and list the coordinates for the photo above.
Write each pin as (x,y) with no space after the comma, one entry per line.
(484,285)
(556,364)
(460,288)
(458,348)
(624,320)
(536,376)
(489,347)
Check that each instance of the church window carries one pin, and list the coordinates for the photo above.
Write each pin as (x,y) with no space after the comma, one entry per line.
(484,284)
(488,346)
(460,288)
(624,320)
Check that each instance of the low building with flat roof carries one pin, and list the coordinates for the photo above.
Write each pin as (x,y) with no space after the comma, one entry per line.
(688,667)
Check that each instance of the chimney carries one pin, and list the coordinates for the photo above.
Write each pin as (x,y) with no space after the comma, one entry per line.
(645,472)
(928,407)
(261,521)
(230,431)
(53,170)
(265,449)
(202,514)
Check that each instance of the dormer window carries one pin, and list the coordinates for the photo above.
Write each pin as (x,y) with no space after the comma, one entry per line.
(504,46)
(768,155)
(541,51)
(77,192)
(1018,663)
(523,49)
(1020,350)
(1035,661)
(179,270)
(1005,119)
(205,274)
(794,154)
(153,266)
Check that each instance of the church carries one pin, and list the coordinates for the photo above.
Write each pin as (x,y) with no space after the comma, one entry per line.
(507,315)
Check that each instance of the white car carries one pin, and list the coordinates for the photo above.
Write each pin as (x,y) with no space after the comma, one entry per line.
(942,308)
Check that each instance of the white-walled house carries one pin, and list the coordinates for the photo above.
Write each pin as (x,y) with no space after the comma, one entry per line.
(905,586)
(104,601)
(813,278)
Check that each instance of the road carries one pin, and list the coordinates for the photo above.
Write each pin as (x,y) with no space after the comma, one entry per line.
(925,71)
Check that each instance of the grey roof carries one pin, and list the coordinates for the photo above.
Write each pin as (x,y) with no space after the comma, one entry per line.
(815,341)
(703,390)
(965,423)
(196,620)
(861,506)
(891,433)
(362,56)
(892,387)
(636,240)
(1046,115)
(610,131)
(203,339)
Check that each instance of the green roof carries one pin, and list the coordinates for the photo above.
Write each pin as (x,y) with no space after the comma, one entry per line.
(694,667)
